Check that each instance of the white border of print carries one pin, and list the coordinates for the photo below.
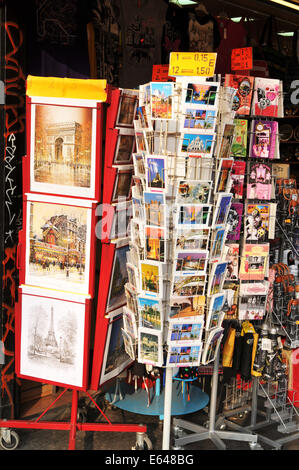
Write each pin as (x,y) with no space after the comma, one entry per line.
(182,201)
(186,342)
(128,132)
(156,333)
(61,189)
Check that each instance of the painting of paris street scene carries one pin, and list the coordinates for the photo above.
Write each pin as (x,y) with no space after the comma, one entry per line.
(52,343)
(63,150)
(57,249)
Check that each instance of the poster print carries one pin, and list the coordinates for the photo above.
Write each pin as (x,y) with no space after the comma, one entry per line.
(155,173)
(150,313)
(52,344)
(63,148)
(125,146)
(193,192)
(58,240)
(127,108)
(162,100)
(186,307)
(184,356)
(115,358)
(187,333)
(215,313)
(118,280)
(150,347)
(122,186)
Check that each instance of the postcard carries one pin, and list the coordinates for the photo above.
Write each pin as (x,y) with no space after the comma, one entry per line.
(143,118)
(194,216)
(145,94)
(226,141)
(259,183)
(244,89)
(217,277)
(119,278)
(132,275)
(154,209)
(121,220)
(218,239)
(125,146)
(234,221)
(131,299)
(191,262)
(237,176)
(150,313)
(253,300)
(263,139)
(222,209)
(239,144)
(181,332)
(130,324)
(215,313)
(141,141)
(188,285)
(129,344)
(162,100)
(230,307)
(139,164)
(193,192)
(186,307)
(260,221)
(127,108)
(139,184)
(254,262)
(150,349)
(212,345)
(63,148)
(187,239)
(184,356)
(266,95)
(155,244)
(223,181)
(199,169)
(196,144)
(151,282)
(137,233)
(156,173)
(194,118)
(231,255)
(199,93)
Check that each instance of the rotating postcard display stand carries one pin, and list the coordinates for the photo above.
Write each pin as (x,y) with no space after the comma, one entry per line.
(57,245)
(178,230)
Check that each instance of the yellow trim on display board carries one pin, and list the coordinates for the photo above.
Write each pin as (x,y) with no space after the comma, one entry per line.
(75,88)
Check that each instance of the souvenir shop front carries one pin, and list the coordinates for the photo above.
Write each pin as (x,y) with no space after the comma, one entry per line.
(150,220)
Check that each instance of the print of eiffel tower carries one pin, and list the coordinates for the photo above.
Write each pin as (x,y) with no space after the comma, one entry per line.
(50,340)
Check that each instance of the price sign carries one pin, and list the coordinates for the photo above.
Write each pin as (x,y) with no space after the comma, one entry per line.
(160,73)
(200,64)
(241,59)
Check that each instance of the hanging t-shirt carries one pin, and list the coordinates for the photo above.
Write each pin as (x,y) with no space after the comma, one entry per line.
(233,36)
(175,32)
(142,23)
(203,33)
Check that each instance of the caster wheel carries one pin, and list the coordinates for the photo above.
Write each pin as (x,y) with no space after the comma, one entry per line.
(12,443)
(178,432)
(255,446)
(147,444)
(81,416)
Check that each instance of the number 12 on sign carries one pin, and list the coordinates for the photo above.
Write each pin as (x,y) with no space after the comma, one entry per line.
(200,64)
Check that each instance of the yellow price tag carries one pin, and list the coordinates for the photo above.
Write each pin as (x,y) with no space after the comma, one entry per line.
(200,64)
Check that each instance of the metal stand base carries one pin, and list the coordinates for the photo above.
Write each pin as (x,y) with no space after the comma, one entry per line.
(216,436)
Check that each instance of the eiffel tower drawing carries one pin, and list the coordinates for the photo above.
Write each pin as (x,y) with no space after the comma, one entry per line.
(50,340)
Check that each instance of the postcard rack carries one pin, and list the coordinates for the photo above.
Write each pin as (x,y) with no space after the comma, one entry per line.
(56,258)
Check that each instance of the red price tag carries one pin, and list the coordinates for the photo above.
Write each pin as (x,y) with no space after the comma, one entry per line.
(160,73)
(241,59)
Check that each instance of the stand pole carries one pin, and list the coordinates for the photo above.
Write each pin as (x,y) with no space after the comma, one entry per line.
(73,423)
(167,409)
